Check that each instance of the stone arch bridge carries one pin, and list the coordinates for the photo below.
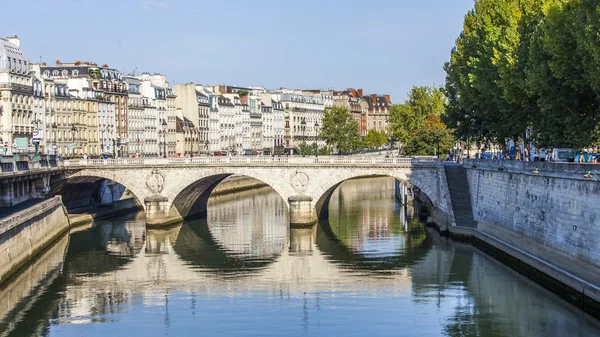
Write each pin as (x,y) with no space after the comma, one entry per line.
(171,189)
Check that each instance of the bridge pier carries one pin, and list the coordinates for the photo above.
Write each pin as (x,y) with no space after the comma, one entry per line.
(303,239)
(302,211)
(158,209)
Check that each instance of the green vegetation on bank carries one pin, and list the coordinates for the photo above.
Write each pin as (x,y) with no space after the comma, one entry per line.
(527,69)
(416,124)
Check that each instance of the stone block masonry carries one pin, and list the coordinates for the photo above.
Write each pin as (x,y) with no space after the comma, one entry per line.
(539,207)
(543,220)
(25,234)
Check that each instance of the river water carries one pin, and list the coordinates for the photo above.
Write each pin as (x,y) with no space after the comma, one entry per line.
(373,269)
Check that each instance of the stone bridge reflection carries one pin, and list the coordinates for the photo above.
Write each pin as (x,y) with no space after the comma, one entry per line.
(238,250)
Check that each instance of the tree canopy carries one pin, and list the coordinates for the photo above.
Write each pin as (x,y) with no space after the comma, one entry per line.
(417,122)
(375,138)
(340,130)
(527,69)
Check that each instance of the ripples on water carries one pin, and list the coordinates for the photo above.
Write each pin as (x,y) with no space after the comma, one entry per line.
(371,270)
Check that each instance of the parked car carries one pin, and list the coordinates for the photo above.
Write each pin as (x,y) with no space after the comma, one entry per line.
(563,155)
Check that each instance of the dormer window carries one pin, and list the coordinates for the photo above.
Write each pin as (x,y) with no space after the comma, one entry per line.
(55,73)
(65,73)
(75,72)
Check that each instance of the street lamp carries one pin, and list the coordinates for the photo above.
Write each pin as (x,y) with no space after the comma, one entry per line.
(102,141)
(317,138)
(36,142)
(303,124)
(191,141)
(54,126)
(164,127)
(73,131)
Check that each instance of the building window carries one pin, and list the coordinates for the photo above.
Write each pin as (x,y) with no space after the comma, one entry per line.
(65,73)
(75,72)
(55,73)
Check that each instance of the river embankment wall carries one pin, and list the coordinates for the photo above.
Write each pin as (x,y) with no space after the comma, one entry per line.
(542,219)
(540,207)
(25,234)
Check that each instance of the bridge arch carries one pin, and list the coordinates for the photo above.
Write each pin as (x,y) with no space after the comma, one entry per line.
(424,179)
(84,183)
(190,193)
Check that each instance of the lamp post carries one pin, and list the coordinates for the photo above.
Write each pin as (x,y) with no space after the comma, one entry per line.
(54,126)
(102,141)
(36,141)
(191,141)
(303,125)
(164,127)
(317,138)
(73,131)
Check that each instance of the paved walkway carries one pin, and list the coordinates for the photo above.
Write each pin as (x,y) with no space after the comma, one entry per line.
(6,211)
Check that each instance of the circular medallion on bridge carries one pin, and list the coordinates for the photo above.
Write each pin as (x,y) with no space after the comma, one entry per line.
(299,181)
(155,182)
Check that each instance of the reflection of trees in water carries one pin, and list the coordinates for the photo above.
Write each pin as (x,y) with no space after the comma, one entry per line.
(105,247)
(363,212)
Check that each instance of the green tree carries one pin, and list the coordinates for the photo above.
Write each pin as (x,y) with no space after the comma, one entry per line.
(340,130)
(562,77)
(425,142)
(407,118)
(375,138)
(522,65)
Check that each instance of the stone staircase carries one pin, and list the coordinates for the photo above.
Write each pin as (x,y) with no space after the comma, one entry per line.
(458,186)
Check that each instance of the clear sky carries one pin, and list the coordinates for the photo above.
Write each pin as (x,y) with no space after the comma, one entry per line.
(382,46)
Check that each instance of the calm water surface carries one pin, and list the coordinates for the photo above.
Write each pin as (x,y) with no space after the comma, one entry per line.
(370,270)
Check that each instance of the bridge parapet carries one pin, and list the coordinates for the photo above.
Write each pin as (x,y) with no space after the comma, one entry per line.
(258,161)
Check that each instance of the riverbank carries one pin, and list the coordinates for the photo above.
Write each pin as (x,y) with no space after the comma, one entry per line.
(26,233)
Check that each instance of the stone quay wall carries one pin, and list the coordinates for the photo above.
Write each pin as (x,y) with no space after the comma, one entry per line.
(539,207)
(25,234)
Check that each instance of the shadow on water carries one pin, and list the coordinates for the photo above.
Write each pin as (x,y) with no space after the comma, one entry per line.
(415,248)
(197,247)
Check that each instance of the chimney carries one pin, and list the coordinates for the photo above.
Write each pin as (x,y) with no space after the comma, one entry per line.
(374,98)
(244,99)
(179,113)
(14,40)
(387,97)
(360,92)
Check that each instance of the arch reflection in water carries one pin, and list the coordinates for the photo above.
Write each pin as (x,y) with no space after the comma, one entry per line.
(377,235)
(365,272)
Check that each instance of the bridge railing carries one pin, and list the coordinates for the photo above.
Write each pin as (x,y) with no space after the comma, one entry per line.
(324,160)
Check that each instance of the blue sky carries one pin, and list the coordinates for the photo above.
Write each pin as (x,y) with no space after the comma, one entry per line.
(382,46)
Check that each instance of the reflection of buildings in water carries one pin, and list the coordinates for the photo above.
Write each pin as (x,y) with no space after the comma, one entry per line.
(364,203)
(123,238)
(21,292)
(250,223)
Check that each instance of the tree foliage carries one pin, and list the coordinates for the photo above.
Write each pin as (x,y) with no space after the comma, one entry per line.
(405,119)
(340,130)
(375,138)
(417,121)
(425,142)
(522,65)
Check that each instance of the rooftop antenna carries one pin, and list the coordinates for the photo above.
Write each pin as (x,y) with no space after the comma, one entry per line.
(133,72)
